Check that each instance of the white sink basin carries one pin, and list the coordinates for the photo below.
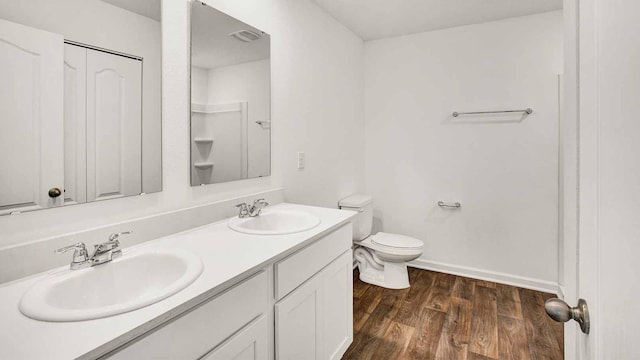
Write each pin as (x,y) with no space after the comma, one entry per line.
(275,222)
(135,280)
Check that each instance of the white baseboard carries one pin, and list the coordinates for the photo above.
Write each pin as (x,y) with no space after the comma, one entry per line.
(487,275)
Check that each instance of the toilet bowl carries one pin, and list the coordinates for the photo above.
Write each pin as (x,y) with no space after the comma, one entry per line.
(382,258)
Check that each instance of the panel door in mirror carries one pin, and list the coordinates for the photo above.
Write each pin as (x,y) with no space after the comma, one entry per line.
(31,135)
(80,111)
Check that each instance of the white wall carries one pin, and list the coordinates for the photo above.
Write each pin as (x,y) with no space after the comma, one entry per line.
(199,85)
(92,22)
(316,95)
(503,169)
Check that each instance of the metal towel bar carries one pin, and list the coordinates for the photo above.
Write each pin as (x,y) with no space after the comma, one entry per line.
(527,110)
(455,205)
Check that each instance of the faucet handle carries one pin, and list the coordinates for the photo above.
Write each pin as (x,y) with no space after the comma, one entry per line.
(260,201)
(116,236)
(244,210)
(79,255)
(77,246)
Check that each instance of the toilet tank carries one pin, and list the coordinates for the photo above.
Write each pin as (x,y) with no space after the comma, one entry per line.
(363,222)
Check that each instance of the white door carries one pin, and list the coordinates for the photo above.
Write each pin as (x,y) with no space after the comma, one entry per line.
(31,127)
(114,126)
(603,264)
(75,124)
(299,323)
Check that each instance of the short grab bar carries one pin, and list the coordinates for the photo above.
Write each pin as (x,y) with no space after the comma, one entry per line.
(455,205)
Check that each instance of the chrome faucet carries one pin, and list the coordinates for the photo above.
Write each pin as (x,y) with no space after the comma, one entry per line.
(251,210)
(80,255)
(109,250)
(102,253)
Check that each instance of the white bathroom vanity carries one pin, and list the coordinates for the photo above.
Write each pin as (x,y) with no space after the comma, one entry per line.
(258,297)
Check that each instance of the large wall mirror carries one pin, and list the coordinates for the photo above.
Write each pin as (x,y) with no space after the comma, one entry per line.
(80,92)
(230,98)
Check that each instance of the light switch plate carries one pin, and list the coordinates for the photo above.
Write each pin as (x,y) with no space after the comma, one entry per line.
(301,160)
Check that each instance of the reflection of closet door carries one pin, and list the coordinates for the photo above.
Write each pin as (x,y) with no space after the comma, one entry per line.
(31,117)
(114,121)
(75,119)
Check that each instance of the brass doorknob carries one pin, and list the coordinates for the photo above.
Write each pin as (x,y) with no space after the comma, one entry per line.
(560,311)
(55,192)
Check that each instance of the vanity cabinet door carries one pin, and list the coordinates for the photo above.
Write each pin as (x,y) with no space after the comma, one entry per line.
(316,320)
(31,133)
(299,322)
(249,344)
(338,306)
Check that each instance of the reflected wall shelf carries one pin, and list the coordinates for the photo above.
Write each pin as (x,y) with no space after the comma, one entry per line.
(203,165)
(203,140)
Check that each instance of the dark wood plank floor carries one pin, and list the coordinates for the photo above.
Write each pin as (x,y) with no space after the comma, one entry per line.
(449,317)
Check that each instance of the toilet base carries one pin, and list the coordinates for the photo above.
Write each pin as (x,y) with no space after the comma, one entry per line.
(391,276)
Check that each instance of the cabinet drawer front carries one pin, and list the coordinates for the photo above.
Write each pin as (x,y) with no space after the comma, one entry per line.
(297,268)
(194,334)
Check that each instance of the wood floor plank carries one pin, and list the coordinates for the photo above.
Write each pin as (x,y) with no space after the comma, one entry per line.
(360,316)
(542,338)
(484,323)
(557,328)
(454,340)
(420,282)
(474,356)
(359,287)
(424,343)
(483,283)
(364,306)
(439,293)
(394,299)
(448,317)
(396,341)
(409,313)
(508,301)
(547,296)
(512,339)
(370,336)
(463,288)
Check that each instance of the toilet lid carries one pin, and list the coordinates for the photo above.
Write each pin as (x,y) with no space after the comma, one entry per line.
(396,241)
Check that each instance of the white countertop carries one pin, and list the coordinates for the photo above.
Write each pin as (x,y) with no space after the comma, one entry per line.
(228,257)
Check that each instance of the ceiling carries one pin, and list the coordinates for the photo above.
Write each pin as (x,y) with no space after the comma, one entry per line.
(148,8)
(211,45)
(376,19)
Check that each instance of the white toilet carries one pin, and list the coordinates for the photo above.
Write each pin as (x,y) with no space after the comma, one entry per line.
(382,258)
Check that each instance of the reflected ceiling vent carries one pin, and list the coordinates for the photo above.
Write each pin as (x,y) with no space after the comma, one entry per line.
(245,35)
